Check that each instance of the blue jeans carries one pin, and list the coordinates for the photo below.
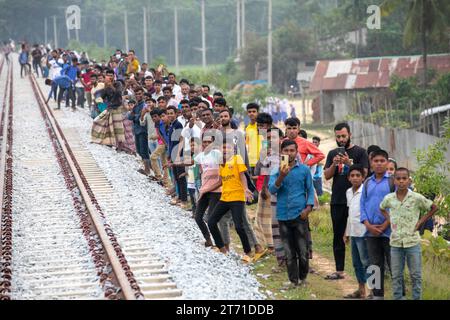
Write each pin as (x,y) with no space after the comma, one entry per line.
(141,143)
(413,257)
(318,187)
(360,258)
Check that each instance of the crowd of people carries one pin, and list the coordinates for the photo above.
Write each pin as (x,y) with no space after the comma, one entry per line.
(190,143)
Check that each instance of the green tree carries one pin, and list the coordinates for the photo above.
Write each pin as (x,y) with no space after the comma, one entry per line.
(425,18)
(432,176)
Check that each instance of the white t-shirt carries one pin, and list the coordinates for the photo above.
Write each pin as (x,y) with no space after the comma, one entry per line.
(55,69)
(188,133)
(354,226)
(210,163)
(176,90)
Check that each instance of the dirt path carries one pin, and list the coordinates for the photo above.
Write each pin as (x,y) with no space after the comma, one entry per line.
(324,266)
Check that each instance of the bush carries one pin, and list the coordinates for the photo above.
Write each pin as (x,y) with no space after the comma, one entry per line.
(436,250)
(212,77)
(325,198)
(431,177)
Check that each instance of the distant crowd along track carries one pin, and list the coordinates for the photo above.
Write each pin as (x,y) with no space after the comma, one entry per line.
(64,281)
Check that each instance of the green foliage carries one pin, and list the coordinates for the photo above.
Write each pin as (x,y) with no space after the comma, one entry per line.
(291,44)
(325,198)
(93,50)
(238,97)
(212,77)
(443,89)
(435,250)
(432,175)
(158,61)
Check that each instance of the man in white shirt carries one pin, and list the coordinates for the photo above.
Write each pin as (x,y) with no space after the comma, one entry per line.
(55,66)
(176,89)
(190,129)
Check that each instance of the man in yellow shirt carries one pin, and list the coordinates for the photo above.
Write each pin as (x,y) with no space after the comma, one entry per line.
(252,138)
(133,62)
(234,195)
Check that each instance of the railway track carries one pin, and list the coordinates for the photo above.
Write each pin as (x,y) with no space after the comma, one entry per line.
(63,247)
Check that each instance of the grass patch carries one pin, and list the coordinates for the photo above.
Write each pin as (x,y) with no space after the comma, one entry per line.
(435,279)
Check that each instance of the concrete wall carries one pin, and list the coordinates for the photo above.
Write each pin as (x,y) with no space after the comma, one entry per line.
(399,143)
(336,105)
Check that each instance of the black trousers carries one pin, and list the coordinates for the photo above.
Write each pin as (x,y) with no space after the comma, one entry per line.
(237,212)
(339,215)
(25,67)
(208,201)
(379,252)
(294,235)
(37,66)
(69,96)
(181,182)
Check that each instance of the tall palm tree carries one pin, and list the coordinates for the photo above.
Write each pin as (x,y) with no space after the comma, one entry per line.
(425,18)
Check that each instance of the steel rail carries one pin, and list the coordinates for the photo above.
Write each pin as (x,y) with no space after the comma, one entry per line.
(120,267)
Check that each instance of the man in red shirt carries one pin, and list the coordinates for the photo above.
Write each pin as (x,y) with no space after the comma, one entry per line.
(310,155)
(86,73)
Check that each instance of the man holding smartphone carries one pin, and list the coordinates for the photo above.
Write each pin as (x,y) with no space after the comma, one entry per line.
(337,165)
(292,184)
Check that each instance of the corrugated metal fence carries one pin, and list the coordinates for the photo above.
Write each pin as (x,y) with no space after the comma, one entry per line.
(399,143)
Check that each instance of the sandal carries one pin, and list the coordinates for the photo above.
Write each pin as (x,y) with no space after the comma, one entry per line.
(260,255)
(334,276)
(142,171)
(354,295)
(246,259)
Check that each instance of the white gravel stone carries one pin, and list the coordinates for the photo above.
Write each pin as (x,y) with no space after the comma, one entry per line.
(43,216)
(170,231)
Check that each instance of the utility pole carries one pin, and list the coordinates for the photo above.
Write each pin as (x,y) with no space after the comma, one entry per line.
(46,31)
(238,26)
(149,37)
(105,39)
(175,17)
(203,35)
(269,47)
(68,33)
(243,24)
(55,33)
(145,35)
(125,20)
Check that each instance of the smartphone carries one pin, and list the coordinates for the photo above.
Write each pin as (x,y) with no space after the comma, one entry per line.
(216,115)
(284,160)
(341,151)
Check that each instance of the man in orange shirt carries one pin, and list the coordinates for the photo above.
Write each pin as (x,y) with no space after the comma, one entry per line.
(305,148)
